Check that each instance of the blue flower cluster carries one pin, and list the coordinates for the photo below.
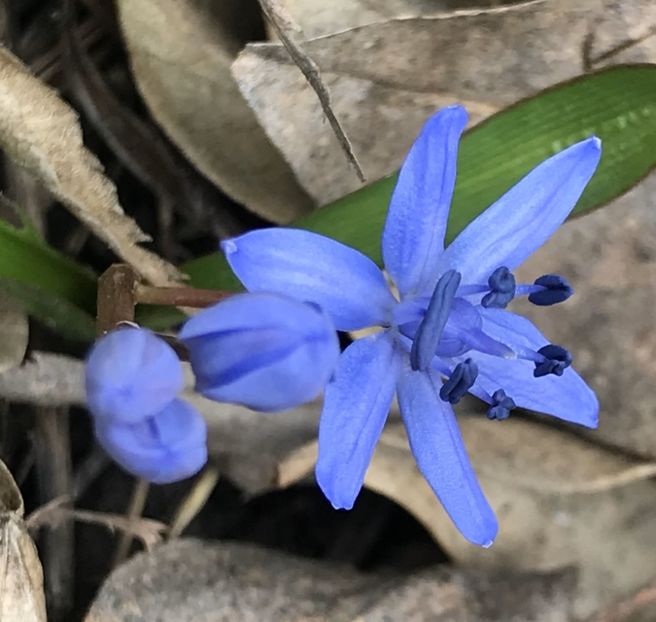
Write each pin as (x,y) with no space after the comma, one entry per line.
(442,332)
(265,351)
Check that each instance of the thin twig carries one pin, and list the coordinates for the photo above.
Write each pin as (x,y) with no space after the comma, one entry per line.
(53,466)
(194,501)
(135,510)
(290,35)
(147,530)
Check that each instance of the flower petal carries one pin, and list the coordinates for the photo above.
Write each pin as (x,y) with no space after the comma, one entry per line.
(168,447)
(265,351)
(439,450)
(413,238)
(355,408)
(131,374)
(566,397)
(521,221)
(310,267)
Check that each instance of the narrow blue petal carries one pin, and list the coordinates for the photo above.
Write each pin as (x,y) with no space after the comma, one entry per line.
(413,238)
(525,217)
(131,374)
(168,447)
(566,397)
(439,450)
(355,408)
(311,267)
(265,351)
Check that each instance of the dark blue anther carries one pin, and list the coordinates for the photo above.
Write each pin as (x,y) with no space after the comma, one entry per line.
(502,289)
(501,406)
(461,380)
(556,289)
(432,326)
(556,361)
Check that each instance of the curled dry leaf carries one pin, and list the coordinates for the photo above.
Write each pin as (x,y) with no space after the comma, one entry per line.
(560,501)
(385,79)
(41,133)
(180,52)
(21,577)
(188,580)
(13,335)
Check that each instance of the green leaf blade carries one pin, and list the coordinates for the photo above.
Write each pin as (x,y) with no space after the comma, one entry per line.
(617,104)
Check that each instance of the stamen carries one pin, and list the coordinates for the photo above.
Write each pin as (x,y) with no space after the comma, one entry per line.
(432,326)
(501,406)
(461,380)
(553,289)
(555,361)
(476,339)
(502,289)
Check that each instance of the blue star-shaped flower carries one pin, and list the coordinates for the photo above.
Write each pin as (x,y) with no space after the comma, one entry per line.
(447,333)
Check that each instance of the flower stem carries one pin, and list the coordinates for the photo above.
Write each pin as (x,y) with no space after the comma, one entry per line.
(178,296)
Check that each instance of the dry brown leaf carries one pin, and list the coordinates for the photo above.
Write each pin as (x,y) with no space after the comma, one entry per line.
(290,35)
(385,79)
(41,133)
(180,52)
(21,577)
(14,332)
(560,501)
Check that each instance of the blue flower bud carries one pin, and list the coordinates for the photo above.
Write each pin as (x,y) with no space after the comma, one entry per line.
(164,448)
(130,375)
(265,351)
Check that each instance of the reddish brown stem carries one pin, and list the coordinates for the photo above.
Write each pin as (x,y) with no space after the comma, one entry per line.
(179,296)
(116,287)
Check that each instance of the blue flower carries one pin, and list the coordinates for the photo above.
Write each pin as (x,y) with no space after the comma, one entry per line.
(164,448)
(266,351)
(447,333)
(131,374)
(132,381)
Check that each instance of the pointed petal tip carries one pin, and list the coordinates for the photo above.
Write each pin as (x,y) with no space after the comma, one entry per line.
(591,145)
(228,247)
(337,498)
(456,110)
(486,533)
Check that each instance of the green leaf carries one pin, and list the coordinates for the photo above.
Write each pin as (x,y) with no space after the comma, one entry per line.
(49,286)
(617,104)
(57,313)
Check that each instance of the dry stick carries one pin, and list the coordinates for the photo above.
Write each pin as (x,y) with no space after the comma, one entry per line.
(51,514)
(135,510)
(289,34)
(54,472)
(194,501)
(116,287)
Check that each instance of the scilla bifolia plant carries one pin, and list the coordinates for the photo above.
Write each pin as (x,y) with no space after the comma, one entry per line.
(446,333)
